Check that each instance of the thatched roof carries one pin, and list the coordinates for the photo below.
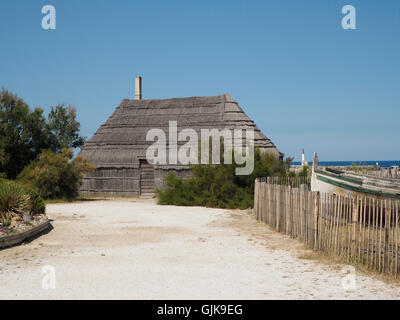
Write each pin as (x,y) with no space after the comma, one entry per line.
(121,141)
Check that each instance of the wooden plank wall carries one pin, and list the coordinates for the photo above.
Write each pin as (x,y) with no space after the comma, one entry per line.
(359,229)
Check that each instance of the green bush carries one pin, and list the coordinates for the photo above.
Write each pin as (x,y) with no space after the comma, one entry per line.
(36,202)
(218,185)
(55,176)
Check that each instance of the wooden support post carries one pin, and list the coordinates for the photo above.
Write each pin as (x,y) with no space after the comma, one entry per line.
(256,187)
(380,262)
(301,213)
(261,196)
(265,202)
(269,191)
(387,230)
(278,206)
(354,226)
(288,193)
(315,212)
(396,239)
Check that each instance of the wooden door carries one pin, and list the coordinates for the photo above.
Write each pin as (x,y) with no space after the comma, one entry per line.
(147,185)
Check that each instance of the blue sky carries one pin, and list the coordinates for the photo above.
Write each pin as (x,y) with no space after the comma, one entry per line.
(305,81)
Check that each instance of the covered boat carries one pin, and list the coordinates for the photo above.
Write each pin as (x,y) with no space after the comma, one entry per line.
(328,180)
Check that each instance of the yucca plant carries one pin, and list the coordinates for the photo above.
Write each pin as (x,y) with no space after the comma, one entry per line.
(13,200)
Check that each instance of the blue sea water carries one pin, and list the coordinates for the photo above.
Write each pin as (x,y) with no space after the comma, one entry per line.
(382,164)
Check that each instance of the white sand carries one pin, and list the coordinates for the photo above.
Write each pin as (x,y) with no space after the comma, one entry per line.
(134,249)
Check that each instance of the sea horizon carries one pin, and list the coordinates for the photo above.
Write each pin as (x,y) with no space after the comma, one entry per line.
(381,163)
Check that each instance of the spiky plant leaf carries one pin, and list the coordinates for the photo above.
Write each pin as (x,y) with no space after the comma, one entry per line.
(13,200)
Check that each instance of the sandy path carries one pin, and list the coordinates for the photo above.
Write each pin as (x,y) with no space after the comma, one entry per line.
(134,249)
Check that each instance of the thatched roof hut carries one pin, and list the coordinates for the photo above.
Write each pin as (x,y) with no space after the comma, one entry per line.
(118,148)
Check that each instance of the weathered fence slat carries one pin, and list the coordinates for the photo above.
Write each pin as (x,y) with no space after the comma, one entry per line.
(362,229)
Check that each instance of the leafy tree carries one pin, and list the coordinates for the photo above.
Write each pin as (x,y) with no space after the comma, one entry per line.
(55,176)
(64,128)
(23,133)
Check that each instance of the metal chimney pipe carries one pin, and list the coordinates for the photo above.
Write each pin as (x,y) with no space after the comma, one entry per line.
(138,88)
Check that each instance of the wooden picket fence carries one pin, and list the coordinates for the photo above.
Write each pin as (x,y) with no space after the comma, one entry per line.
(294,182)
(358,229)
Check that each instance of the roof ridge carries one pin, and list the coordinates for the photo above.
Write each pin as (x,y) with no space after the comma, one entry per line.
(223,96)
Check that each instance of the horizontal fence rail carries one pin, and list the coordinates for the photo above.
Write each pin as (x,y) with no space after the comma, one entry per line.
(358,229)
